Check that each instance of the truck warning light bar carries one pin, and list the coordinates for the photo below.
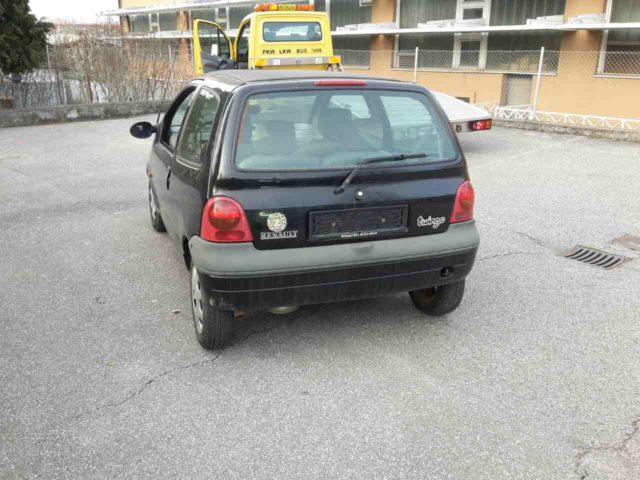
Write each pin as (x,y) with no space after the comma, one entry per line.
(272,7)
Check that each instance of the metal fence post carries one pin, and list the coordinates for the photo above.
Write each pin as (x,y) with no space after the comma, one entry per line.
(171,60)
(535,98)
(53,95)
(415,66)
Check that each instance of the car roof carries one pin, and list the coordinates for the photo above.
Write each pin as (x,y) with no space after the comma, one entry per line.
(242,77)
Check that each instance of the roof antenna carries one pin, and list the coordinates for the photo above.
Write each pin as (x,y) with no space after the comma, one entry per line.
(166,89)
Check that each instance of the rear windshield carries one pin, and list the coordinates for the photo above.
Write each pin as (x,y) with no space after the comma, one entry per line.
(291,32)
(326,129)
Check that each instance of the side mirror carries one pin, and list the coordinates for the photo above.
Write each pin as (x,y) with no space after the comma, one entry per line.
(142,129)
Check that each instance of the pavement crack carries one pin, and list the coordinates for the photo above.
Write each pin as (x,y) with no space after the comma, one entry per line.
(500,255)
(274,327)
(537,241)
(581,471)
(144,386)
(170,371)
(148,383)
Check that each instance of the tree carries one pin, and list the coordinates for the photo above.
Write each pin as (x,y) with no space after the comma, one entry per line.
(23,38)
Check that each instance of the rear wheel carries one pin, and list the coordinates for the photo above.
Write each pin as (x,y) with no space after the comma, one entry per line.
(214,327)
(438,300)
(154,212)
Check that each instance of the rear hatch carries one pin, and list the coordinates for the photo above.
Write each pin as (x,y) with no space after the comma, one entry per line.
(295,148)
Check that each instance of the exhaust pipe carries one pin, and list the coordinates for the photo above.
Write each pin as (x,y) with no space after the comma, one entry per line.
(283,310)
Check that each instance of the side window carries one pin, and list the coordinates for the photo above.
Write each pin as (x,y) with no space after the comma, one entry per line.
(196,132)
(171,132)
(243,44)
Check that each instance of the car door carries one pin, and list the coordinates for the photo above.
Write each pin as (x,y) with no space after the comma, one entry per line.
(163,152)
(212,49)
(242,45)
(190,171)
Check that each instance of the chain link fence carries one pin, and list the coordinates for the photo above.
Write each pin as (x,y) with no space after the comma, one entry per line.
(526,84)
(99,69)
(615,63)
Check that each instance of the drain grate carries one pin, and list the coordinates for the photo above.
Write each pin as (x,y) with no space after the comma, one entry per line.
(594,257)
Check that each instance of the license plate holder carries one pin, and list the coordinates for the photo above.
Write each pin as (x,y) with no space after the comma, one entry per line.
(355,223)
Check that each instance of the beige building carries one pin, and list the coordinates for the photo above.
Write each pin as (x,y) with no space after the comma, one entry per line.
(483,51)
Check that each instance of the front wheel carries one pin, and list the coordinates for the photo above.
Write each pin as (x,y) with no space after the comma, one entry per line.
(439,300)
(214,327)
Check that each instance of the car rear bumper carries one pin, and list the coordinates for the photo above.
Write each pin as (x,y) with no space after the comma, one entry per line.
(239,277)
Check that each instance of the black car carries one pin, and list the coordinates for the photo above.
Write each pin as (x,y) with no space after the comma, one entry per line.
(286,188)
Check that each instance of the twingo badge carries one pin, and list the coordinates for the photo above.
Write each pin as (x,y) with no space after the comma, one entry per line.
(277,222)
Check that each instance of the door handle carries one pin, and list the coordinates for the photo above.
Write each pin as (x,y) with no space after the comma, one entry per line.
(168,178)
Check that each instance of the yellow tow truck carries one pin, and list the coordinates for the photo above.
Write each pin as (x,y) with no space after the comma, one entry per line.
(278,36)
(272,37)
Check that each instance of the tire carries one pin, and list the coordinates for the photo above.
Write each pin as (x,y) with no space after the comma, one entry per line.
(213,327)
(439,300)
(154,212)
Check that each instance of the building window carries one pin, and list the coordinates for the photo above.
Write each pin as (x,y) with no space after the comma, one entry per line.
(470,51)
(237,14)
(140,23)
(354,51)
(514,52)
(413,12)
(348,12)
(472,13)
(217,15)
(473,10)
(620,53)
(167,22)
(517,12)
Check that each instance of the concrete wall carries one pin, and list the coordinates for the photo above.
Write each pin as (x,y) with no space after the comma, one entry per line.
(70,113)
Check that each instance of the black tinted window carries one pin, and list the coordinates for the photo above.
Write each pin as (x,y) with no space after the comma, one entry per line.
(196,132)
(175,121)
(327,129)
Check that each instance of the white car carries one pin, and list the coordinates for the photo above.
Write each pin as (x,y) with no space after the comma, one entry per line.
(463,116)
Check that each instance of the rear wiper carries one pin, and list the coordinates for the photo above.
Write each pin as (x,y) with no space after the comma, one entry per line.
(368,161)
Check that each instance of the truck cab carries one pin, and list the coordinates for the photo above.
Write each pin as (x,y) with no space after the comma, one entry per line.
(273,37)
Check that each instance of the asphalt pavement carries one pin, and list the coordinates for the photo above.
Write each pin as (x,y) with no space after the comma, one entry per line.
(535,376)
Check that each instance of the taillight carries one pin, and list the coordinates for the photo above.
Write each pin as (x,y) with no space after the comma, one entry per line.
(463,206)
(480,125)
(224,220)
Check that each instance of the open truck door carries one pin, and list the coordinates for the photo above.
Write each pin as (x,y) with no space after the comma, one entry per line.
(275,36)
(212,49)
